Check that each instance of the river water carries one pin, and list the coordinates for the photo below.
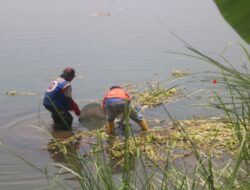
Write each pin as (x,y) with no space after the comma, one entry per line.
(108,42)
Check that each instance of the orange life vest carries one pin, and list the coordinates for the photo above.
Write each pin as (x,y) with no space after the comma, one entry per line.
(116,93)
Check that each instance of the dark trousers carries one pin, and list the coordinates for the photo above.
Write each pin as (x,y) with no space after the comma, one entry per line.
(62,119)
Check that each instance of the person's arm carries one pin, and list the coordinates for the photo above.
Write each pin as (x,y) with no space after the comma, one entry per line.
(67,91)
(75,108)
(103,102)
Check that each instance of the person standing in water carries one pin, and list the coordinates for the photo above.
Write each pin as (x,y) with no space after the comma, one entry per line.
(114,103)
(58,100)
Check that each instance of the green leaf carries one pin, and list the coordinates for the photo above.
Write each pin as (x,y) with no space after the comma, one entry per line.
(237,14)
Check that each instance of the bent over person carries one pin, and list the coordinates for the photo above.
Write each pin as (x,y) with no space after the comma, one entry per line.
(58,100)
(114,104)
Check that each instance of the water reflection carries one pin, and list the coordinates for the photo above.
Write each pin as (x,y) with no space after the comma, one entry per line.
(63,150)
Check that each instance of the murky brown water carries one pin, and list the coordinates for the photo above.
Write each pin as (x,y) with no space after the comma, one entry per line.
(107,42)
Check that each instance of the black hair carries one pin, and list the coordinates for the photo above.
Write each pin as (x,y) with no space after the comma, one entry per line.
(112,87)
(66,76)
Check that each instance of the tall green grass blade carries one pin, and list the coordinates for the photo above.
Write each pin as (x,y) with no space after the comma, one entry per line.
(238,162)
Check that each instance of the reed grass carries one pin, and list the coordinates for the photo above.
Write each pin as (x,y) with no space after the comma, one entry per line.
(94,170)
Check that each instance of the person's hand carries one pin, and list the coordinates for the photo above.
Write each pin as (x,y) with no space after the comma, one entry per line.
(77,112)
(75,108)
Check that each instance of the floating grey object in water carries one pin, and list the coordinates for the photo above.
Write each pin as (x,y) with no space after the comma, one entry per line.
(92,116)
(92,111)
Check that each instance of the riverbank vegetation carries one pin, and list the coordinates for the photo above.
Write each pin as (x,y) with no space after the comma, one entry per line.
(199,153)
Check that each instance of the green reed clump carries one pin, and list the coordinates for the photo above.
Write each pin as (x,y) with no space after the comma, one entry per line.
(236,106)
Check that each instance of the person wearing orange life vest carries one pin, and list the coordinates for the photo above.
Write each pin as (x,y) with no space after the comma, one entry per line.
(58,100)
(114,103)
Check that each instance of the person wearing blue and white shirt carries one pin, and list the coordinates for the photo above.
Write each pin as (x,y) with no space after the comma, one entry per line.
(58,100)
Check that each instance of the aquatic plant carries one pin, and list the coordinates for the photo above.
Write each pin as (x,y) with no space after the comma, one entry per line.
(152,93)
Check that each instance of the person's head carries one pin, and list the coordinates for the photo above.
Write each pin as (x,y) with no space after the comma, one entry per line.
(113,87)
(68,73)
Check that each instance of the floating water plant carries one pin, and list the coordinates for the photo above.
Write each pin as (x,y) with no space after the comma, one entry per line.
(210,136)
(155,97)
(16,93)
(153,94)
(179,73)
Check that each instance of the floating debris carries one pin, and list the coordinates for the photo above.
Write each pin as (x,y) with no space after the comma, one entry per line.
(154,97)
(89,138)
(209,136)
(16,93)
(151,95)
(179,73)
(11,93)
(100,14)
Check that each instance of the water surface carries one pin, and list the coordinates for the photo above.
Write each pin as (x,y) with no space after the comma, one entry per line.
(108,43)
